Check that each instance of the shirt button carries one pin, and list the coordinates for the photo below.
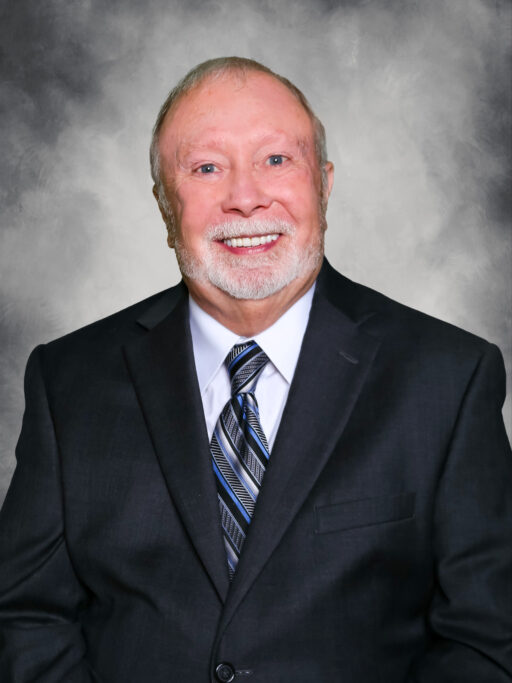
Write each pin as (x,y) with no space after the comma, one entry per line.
(225,673)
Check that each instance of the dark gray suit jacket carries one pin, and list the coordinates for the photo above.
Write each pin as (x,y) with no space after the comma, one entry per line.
(380,550)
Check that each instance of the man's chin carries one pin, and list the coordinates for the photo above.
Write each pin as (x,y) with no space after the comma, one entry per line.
(251,283)
(251,277)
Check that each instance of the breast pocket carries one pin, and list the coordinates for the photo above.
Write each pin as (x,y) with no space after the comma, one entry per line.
(354,514)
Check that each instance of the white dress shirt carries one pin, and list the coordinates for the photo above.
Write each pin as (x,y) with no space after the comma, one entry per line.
(281,342)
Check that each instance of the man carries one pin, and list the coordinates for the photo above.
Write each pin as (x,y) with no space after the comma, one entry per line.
(332,503)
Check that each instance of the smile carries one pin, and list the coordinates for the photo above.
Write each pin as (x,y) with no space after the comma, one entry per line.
(250,241)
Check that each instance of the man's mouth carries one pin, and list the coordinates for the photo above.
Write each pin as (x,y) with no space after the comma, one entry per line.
(251,241)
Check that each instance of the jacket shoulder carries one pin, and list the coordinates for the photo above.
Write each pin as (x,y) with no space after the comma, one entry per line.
(401,324)
(117,328)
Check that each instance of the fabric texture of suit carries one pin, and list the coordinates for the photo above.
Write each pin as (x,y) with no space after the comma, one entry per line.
(381,546)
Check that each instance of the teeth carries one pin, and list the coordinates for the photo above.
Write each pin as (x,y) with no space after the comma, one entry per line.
(250,241)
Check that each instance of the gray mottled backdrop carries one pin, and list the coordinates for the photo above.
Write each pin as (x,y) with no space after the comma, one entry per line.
(416,101)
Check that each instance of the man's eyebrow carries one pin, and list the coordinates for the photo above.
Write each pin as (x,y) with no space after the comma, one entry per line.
(219,141)
(189,145)
(301,142)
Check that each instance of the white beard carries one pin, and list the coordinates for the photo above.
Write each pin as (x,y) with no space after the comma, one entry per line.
(252,276)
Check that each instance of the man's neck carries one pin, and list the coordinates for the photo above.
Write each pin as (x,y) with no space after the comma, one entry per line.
(248,317)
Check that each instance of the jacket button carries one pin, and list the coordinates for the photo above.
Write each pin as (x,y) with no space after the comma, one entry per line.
(225,673)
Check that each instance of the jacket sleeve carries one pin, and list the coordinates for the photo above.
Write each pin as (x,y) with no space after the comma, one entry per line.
(470,615)
(40,595)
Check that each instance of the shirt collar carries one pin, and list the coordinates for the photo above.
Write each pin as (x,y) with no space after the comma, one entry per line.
(281,341)
(211,342)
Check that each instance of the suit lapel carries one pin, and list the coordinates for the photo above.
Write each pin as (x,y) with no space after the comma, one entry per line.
(334,361)
(162,368)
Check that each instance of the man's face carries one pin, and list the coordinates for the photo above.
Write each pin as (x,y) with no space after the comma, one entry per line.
(242,180)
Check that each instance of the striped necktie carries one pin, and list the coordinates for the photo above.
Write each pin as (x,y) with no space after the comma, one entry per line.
(239,449)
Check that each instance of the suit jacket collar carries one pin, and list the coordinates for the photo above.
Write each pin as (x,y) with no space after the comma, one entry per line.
(344,295)
(335,358)
(162,307)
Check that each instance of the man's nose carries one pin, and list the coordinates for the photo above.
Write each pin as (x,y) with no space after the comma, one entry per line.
(244,194)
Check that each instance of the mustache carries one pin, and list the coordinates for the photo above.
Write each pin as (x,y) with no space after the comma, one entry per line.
(242,228)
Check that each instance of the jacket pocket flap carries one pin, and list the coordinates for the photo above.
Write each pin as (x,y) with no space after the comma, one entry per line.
(358,513)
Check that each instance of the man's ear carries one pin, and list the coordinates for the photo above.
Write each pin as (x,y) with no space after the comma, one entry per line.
(165,218)
(157,197)
(329,175)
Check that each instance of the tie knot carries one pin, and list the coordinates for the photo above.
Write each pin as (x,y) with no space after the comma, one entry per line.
(244,363)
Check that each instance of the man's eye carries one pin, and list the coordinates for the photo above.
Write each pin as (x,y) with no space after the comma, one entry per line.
(276,160)
(207,168)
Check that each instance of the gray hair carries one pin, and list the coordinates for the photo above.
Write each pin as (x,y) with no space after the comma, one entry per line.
(213,69)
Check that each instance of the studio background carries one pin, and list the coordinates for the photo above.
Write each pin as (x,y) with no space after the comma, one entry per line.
(416,100)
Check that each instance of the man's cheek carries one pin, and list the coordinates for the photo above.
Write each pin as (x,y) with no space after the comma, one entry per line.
(295,187)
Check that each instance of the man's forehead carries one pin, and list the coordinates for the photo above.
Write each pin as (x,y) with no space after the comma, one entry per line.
(237,82)
(218,96)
